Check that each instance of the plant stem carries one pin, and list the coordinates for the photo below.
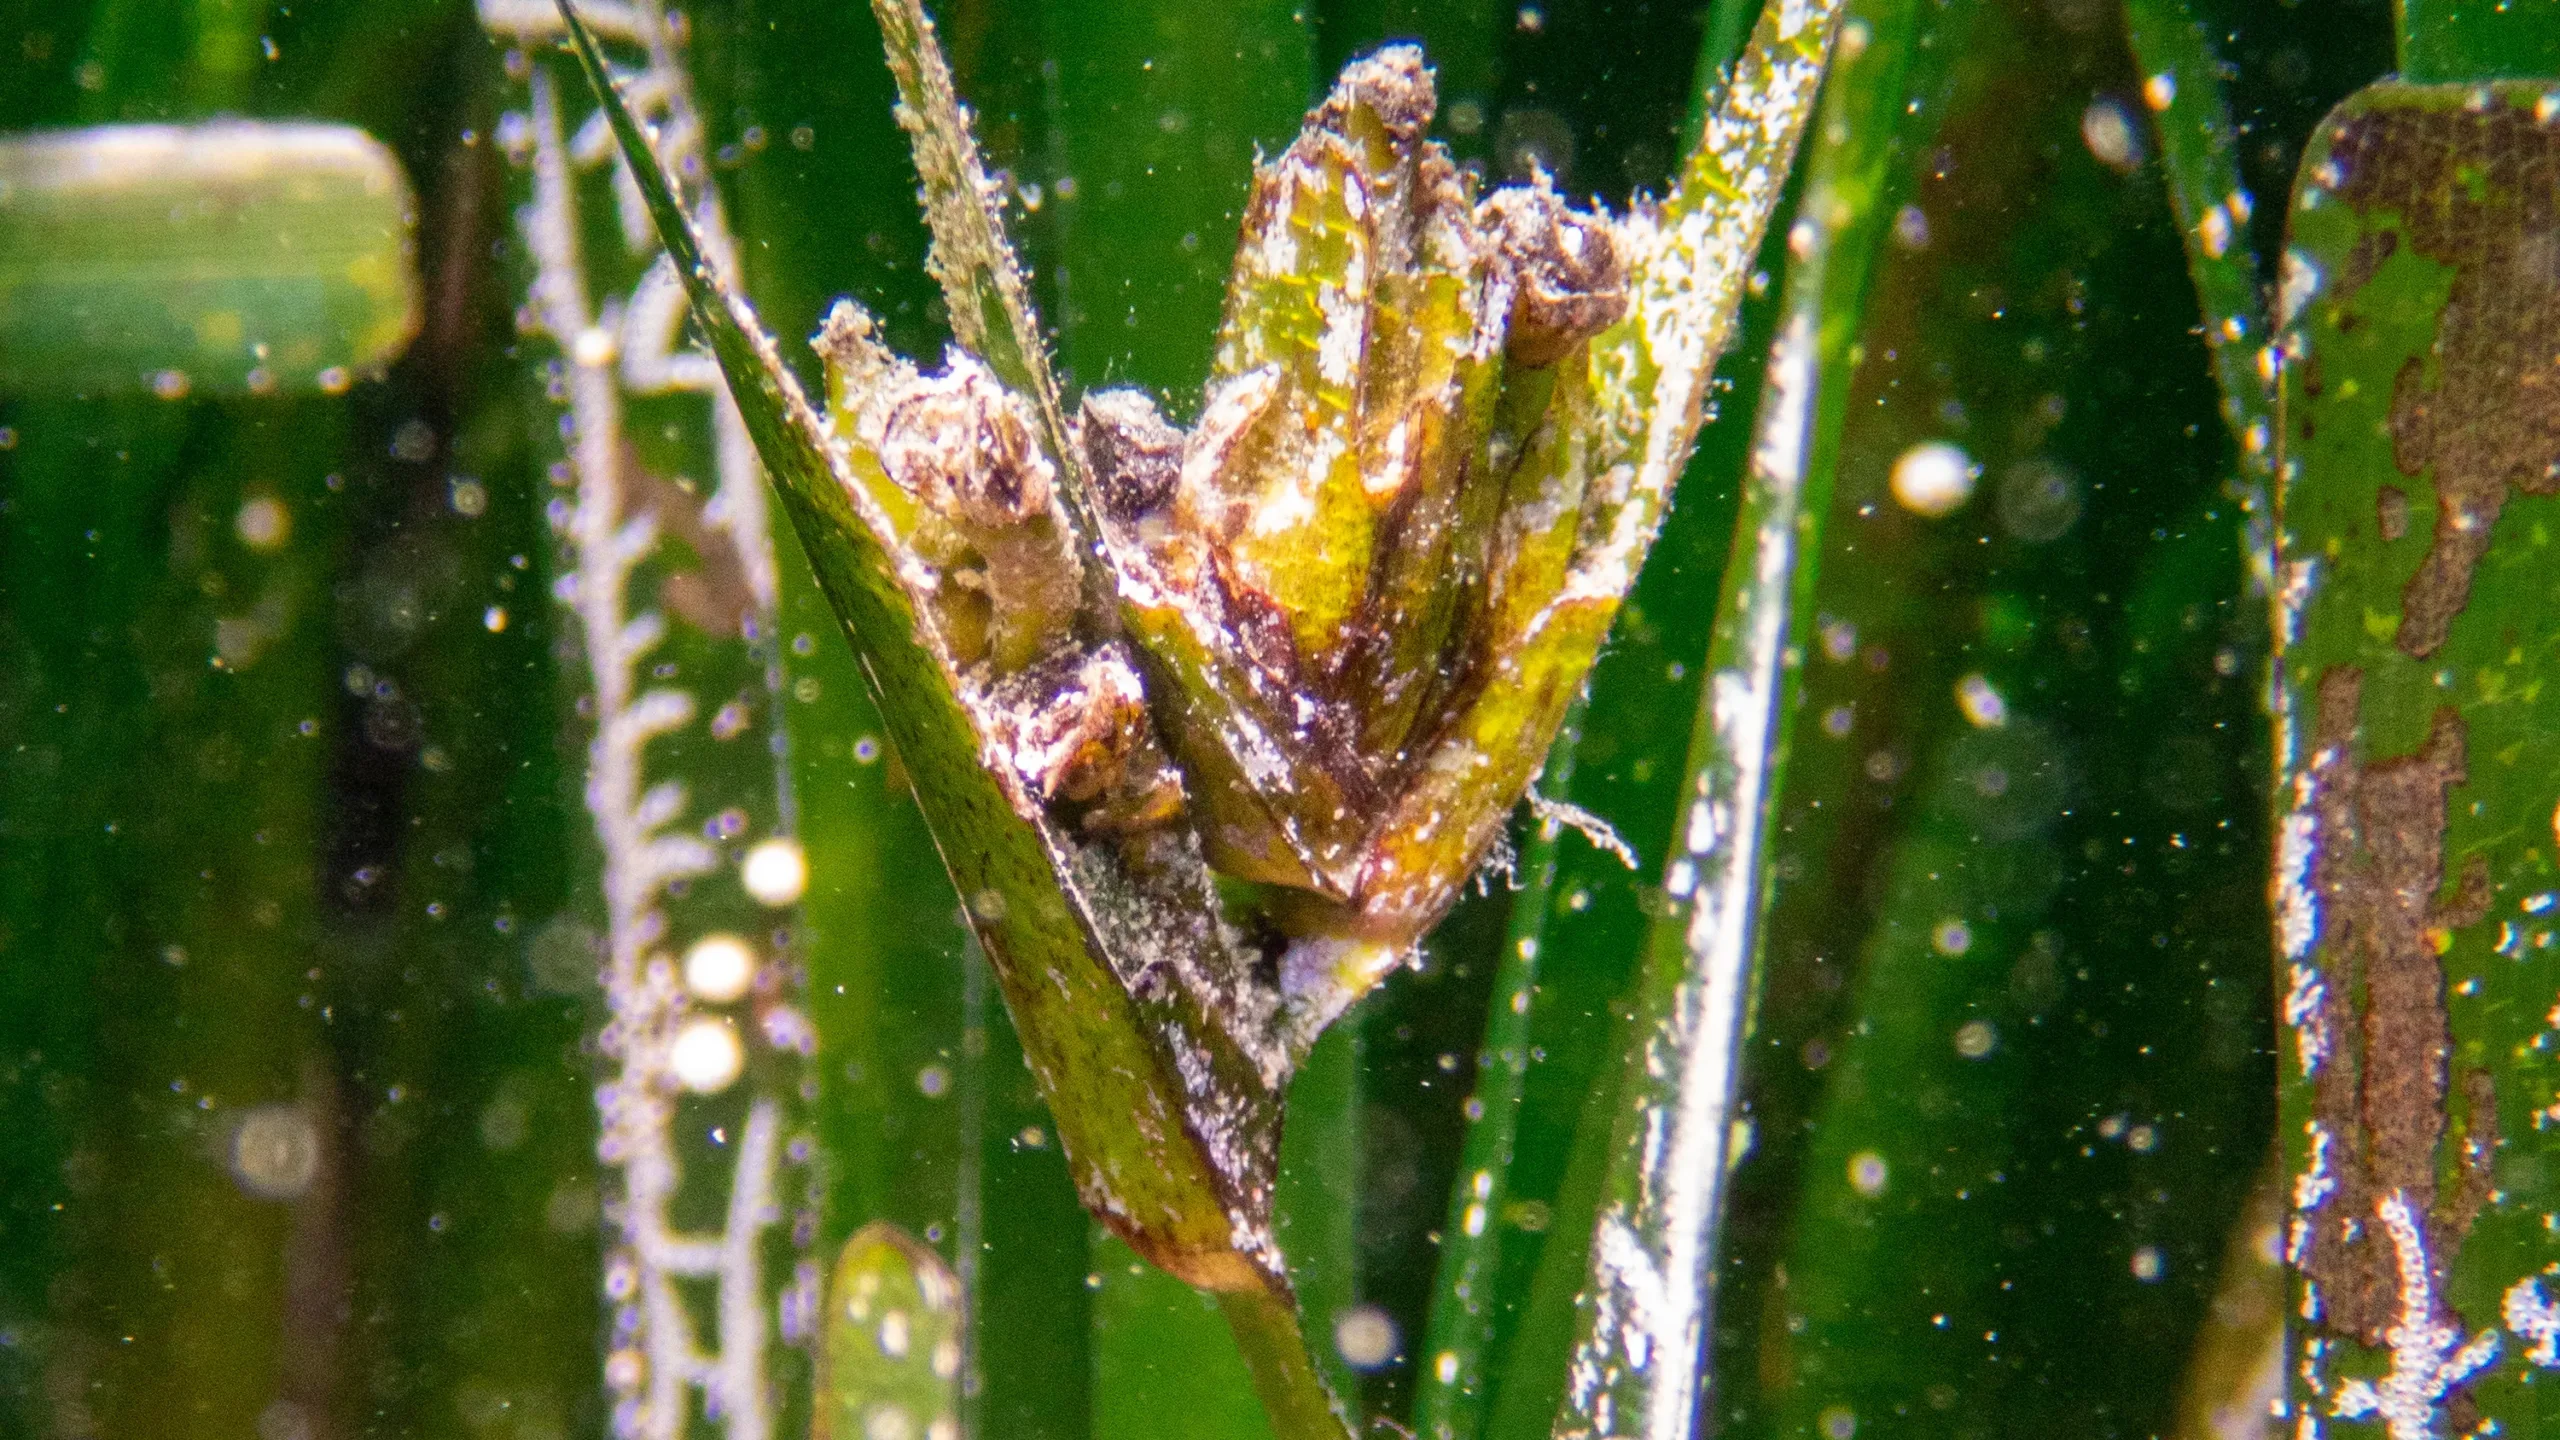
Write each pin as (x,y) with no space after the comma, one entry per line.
(1284,1375)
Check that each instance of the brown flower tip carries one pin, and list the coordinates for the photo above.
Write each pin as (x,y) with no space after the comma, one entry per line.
(1567,281)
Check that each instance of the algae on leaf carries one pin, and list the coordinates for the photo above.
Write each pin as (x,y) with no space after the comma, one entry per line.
(2417,871)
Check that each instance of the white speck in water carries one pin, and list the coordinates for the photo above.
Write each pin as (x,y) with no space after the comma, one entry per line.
(494,619)
(2107,129)
(263,524)
(1951,937)
(2148,1264)
(775,872)
(1868,1174)
(1365,1335)
(1932,478)
(1838,1422)
(2161,90)
(719,968)
(932,1081)
(275,1154)
(893,1334)
(1445,1367)
(706,1056)
(888,1420)
(1977,1038)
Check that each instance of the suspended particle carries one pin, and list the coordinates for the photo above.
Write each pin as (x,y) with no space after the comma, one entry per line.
(1981,703)
(775,872)
(2107,128)
(719,968)
(2148,1264)
(263,524)
(706,1056)
(1976,1039)
(2039,499)
(1868,1174)
(275,1152)
(1933,477)
(1365,1336)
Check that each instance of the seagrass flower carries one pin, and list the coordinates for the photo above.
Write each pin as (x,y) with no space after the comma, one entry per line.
(1212,723)
(1340,594)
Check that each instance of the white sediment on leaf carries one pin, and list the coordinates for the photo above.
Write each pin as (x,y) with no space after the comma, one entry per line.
(2533,1317)
(632,349)
(2429,1356)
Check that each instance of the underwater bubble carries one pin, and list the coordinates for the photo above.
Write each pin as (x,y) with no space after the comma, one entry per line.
(1932,478)
(1981,703)
(1868,1174)
(275,1152)
(263,524)
(2039,500)
(505,1123)
(775,872)
(564,957)
(1365,1336)
(1838,1422)
(719,968)
(414,441)
(2148,1264)
(706,1056)
(2007,783)
(1976,1038)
